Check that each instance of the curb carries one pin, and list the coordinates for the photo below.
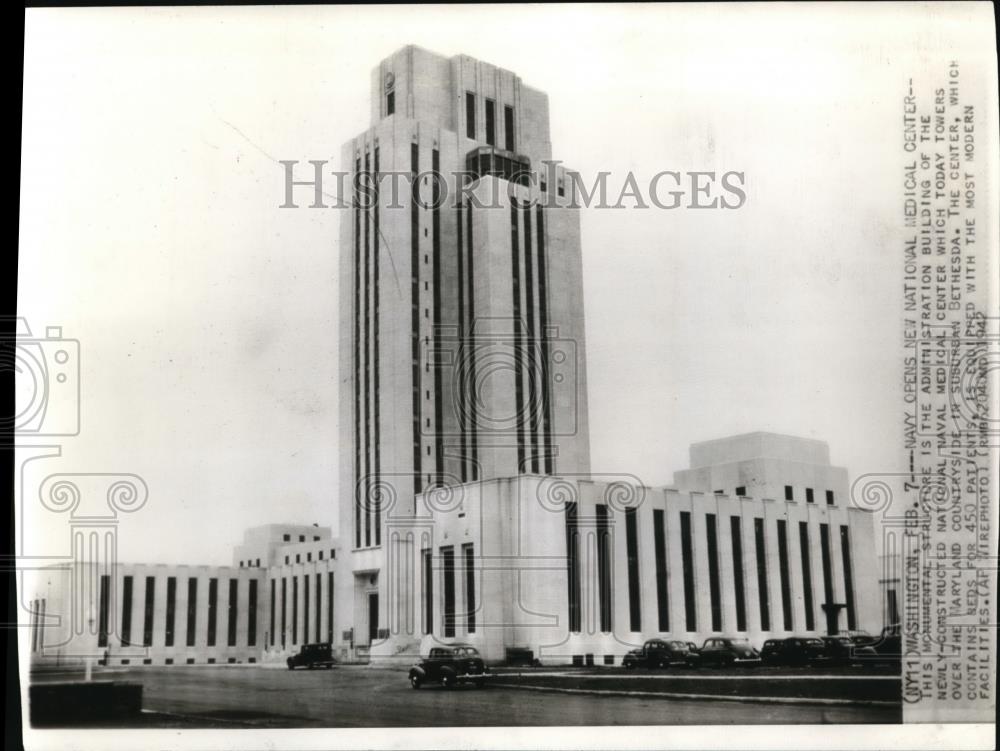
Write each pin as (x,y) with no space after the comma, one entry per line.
(711,697)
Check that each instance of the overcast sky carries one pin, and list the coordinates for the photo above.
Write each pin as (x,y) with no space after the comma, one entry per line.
(150,230)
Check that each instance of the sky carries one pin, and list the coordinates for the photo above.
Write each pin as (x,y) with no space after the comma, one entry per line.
(150,230)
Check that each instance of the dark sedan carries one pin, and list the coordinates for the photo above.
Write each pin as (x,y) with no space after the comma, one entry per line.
(726,651)
(659,653)
(793,651)
(449,666)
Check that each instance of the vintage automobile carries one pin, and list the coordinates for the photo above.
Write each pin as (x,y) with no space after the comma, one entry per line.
(449,666)
(793,651)
(659,653)
(312,656)
(724,651)
(841,650)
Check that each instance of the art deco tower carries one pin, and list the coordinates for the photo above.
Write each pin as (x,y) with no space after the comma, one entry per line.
(461,334)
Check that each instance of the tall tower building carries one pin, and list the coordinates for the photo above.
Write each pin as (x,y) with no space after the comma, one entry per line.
(461,334)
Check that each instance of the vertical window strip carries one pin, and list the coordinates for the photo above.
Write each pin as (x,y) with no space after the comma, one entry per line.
(305,608)
(604,567)
(687,562)
(463,332)
(252,614)
(824,544)
(845,553)
(783,570)
(366,477)
(471,364)
(436,303)
(376,401)
(573,566)
(415,313)
(715,595)
(468,555)
(213,604)
(233,612)
(104,597)
(284,608)
(762,593)
(543,324)
(357,359)
(295,610)
(126,635)
(428,566)
(448,571)
(807,593)
(739,591)
(168,631)
(272,621)
(660,552)
(319,607)
(632,555)
(329,607)
(147,625)
(530,350)
(515,243)
(192,611)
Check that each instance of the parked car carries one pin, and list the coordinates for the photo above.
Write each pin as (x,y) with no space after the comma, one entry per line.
(658,653)
(840,650)
(312,656)
(450,666)
(725,650)
(794,650)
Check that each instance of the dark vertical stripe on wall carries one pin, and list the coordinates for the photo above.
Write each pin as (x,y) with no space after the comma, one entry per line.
(192,614)
(284,608)
(660,551)
(415,313)
(469,555)
(376,401)
(687,561)
(147,624)
(845,553)
(807,590)
(573,566)
(448,571)
(329,607)
(824,544)
(305,608)
(436,333)
(714,593)
(365,493)
(604,567)
(252,614)
(471,359)
(515,242)
(543,323)
(168,630)
(762,594)
(213,605)
(272,612)
(738,582)
(126,634)
(530,350)
(104,598)
(632,556)
(357,357)
(319,607)
(295,610)
(463,400)
(783,571)
(233,612)
(428,566)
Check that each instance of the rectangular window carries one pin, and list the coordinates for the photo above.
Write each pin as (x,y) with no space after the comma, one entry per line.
(305,608)
(829,498)
(809,496)
(604,567)
(103,607)
(573,566)
(428,564)
(807,592)
(508,127)
(233,612)
(192,611)
(845,553)
(329,607)
(789,493)
(687,563)
(390,103)
(286,538)
(468,555)
(736,533)
(762,594)
(213,607)
(786,590)
(448,572)
(490,123)
(295,610)
(319,607)
(273,608)
(168,634)
(470,115)
(741,491)
(715,596)
(252,615)
(284,603)
(824,546)
(147,624)
(126,611)
(632,554)
(660,545)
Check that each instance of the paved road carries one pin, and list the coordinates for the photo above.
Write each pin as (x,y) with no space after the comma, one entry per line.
(367,697)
